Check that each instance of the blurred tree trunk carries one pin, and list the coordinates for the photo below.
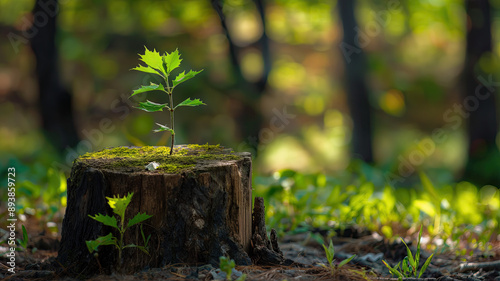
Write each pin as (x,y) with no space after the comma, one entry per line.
(249,117)
(357,89)
(483,163)
(55,104)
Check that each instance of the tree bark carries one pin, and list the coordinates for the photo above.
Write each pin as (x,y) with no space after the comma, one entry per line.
(264,251)
(199,214)
(357,89)
(479,98)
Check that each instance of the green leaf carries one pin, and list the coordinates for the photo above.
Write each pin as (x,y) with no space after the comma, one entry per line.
(410,256)
(106,220)
(342,263)
(151,87)
(137,219)
(190,102)
(129,246)
(150,106)
(417,255)
(393,271)
(172,60)
(153,60)
(163,128)
(426,264)
(146,69)
(144,249)
(92,245)
(25,237)
(146,241)
(407,267)
(183,77)
(119,204)
(330,253)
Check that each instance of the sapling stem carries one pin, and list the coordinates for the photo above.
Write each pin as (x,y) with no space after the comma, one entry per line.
(172,124)
(171,98)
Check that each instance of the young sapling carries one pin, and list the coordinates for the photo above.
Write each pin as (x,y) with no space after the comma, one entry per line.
(163,65)
(119,206)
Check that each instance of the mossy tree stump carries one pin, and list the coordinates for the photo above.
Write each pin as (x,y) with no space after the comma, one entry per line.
(200,199)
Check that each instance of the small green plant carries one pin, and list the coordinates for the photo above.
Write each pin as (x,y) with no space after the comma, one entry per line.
(227,265)
(163,65)
(24,242)
(119,205)
(409,265)
(330,254)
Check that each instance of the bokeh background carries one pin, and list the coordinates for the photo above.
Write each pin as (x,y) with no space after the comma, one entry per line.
(356,112)
(277,85)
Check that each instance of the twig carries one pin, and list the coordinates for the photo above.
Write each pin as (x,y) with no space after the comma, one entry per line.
(474,266)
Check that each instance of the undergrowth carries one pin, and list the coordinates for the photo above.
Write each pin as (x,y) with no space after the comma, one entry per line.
(460,216)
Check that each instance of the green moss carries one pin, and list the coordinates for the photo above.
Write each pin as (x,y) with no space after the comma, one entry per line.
(136,158)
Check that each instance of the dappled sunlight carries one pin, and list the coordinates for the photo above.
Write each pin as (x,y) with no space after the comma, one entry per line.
(284,153)
(288,76)
(245,27)
(301,22)
(466,199)
(392,102)
(252,65)
(329,147)
(313,104)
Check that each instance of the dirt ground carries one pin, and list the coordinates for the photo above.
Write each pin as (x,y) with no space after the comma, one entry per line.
(307,254)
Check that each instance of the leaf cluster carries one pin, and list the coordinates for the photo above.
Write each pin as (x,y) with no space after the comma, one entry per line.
(163,65)
(119,206)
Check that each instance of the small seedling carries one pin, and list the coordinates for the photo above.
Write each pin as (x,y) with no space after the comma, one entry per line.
(119,205)
(409,265)
(163,65)
(330,254)
(227,265)
(24,242)
(21,243)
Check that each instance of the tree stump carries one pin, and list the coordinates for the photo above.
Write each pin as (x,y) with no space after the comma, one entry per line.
(200,199)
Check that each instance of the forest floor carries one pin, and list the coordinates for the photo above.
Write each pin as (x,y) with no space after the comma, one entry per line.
(307,254)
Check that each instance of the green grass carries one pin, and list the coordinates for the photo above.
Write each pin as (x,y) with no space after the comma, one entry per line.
(296,201)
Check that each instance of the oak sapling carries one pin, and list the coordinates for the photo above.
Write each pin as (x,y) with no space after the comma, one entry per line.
(163,65)
(119,205)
